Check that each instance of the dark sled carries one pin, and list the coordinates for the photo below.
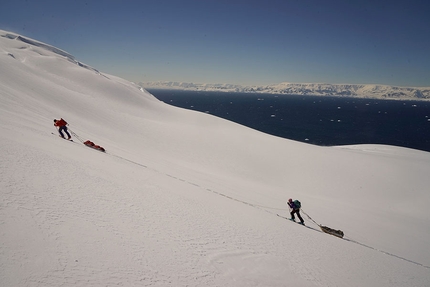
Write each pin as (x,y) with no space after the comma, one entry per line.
(338,233)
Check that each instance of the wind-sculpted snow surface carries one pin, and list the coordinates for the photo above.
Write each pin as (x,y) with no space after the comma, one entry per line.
(182,198)
(33,43)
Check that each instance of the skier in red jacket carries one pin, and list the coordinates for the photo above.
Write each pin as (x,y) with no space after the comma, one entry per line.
(62,126)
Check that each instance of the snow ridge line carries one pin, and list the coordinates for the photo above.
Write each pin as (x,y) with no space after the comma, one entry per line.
(262,208)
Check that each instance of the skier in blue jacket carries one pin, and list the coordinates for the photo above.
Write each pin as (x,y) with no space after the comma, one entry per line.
(295,209)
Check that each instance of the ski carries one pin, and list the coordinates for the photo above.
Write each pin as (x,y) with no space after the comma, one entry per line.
(70,140)
(290,219)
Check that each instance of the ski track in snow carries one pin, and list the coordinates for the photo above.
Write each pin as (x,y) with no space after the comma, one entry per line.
(268,209)
(55,216)
(54,219)
(234,258)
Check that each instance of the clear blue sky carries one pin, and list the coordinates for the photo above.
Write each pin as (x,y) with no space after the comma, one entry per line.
(238,42)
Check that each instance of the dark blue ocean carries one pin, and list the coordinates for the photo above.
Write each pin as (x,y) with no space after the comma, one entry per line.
(324,121)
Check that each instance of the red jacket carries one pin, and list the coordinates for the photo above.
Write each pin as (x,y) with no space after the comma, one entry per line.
(60,123)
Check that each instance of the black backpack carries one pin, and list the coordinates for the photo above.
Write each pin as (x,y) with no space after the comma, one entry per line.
(297,204)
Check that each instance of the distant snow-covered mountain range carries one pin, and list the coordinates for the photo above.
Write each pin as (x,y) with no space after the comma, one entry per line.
(347,90)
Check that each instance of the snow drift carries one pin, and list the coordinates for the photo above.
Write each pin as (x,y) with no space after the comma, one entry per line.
(182,198)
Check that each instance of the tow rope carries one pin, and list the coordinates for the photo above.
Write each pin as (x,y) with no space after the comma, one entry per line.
(75,135)
(338,233)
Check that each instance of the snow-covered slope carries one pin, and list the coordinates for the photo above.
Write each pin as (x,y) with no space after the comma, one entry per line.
(314,89)
(182,198)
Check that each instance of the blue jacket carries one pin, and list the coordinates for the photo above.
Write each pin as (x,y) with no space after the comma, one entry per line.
(292,205)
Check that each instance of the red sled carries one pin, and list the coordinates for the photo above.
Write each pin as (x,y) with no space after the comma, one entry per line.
(90,144)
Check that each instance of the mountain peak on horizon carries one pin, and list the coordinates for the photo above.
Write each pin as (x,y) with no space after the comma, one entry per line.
(375,91)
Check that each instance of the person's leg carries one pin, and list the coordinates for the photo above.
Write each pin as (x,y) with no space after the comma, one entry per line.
(299,216)
(292,215)
(65,130)
(60,130)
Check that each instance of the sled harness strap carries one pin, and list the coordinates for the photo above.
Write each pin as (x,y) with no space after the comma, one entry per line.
(76,136)
(309,217)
